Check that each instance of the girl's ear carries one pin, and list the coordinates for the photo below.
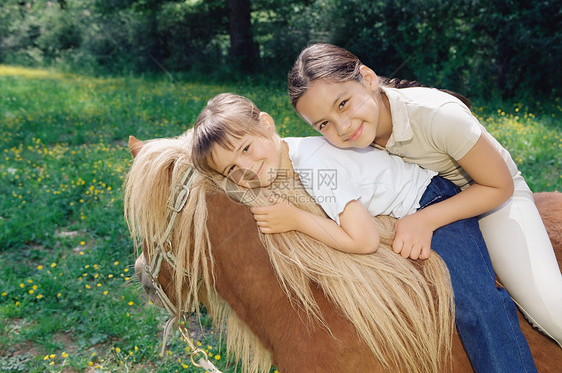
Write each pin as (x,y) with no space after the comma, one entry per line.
(369,78)
(267,121)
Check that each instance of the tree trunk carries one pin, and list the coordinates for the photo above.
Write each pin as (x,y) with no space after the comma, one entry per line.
(243,50)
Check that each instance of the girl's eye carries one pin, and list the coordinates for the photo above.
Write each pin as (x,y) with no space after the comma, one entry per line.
(246,148)
(229,171)
(342,104)
(322,125)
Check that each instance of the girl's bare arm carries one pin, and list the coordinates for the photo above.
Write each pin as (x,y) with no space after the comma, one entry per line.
(493,185)
(357,233)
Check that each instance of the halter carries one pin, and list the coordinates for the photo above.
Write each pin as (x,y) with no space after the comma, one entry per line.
(164,252)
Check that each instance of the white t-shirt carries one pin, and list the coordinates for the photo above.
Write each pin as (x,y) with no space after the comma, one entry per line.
(434,130)
(383,183)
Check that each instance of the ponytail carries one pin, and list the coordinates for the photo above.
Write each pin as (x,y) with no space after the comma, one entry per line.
(401,83)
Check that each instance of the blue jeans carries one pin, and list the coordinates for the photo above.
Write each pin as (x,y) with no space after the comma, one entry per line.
(485,315)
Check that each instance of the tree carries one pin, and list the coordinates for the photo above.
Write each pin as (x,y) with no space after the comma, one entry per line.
(243,50)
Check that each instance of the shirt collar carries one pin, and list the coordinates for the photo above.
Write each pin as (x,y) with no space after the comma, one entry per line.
(401,128)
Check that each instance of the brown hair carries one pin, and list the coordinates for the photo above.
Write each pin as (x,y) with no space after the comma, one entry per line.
(321,61)
(225,117)
(327,61)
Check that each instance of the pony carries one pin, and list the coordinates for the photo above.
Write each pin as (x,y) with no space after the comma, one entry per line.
(283,299)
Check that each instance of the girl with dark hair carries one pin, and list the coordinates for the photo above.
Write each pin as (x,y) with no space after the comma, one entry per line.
(352,107)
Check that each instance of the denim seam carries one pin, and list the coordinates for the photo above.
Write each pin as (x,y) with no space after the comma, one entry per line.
(434,200)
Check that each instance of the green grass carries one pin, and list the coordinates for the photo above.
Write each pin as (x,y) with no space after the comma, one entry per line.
(66,302)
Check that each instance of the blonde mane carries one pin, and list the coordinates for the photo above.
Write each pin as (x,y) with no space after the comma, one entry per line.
(401,309)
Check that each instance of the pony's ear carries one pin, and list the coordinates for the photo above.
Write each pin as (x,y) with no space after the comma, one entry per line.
(135,145)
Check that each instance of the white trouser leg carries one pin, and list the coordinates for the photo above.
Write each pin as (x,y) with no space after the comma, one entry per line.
(524,260)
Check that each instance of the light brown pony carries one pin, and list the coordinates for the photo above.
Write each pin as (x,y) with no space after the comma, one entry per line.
(239,272)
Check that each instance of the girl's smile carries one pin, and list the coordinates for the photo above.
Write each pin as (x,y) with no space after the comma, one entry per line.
(258,171)
(357,133)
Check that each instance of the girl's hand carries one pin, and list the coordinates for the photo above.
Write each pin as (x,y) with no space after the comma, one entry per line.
(276,218)
(413,237)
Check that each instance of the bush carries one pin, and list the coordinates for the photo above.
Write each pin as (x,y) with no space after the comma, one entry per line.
(476,47)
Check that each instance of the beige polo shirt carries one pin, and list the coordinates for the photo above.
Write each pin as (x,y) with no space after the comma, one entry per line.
(434,129)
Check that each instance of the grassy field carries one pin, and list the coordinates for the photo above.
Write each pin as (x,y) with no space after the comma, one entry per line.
(66,299)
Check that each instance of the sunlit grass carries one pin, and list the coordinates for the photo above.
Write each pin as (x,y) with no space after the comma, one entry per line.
(65,254)
(534,141)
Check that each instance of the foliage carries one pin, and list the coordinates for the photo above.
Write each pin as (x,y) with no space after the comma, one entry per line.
(477,47)
(195,36)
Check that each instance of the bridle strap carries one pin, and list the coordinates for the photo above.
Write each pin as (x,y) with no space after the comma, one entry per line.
(176,203)
(174,208)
